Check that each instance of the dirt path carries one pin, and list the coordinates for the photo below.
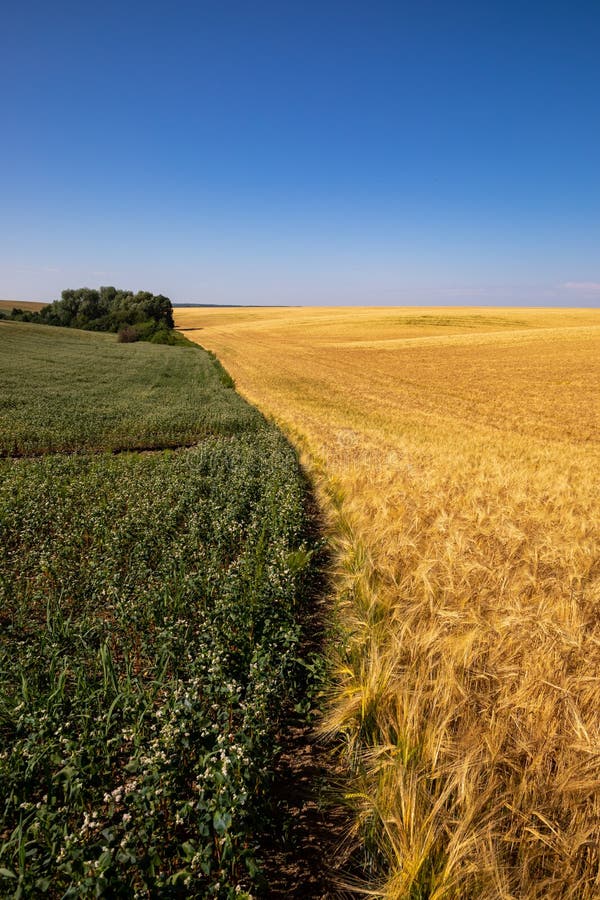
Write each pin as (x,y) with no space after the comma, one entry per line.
(306,857)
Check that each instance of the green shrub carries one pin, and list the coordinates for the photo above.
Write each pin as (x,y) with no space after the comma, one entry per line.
(128,334)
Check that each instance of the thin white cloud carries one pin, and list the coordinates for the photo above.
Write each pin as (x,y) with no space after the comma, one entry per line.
(583,287)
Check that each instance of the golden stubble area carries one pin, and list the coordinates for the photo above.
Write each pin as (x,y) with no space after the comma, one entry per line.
(458,454)
(29,305)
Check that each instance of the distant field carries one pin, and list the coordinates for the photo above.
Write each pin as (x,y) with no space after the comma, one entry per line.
(32,305)
(150,619)
(458,453)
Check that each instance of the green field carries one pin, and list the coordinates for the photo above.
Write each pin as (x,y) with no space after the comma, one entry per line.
(149,607)
(64,389)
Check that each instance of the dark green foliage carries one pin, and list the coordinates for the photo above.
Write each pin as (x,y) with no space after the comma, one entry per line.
(106,309)
(22,315)
(149,608)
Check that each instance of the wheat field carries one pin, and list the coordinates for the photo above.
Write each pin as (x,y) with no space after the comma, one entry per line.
(457,454)
(30,305)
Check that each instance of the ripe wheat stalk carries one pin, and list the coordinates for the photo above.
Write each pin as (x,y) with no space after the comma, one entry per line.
(460,471)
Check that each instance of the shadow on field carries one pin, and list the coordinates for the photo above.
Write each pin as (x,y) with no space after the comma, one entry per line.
(304,853)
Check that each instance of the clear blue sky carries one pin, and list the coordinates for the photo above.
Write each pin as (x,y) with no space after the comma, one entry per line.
(302,152)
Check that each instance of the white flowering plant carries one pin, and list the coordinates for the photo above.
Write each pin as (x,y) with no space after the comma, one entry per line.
(151,611)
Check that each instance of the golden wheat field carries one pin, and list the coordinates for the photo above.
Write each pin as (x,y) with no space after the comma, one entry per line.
(457,453)
(30,305)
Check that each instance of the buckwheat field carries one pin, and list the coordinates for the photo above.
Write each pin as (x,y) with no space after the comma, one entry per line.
(150,619)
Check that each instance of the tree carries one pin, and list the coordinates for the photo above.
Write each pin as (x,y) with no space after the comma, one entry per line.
(109,309)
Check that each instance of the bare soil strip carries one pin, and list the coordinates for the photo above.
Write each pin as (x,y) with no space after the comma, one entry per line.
(306,856)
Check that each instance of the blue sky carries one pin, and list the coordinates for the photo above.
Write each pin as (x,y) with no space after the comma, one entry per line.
(302,152)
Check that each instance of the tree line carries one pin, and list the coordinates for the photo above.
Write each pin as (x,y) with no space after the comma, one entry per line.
(134,317)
